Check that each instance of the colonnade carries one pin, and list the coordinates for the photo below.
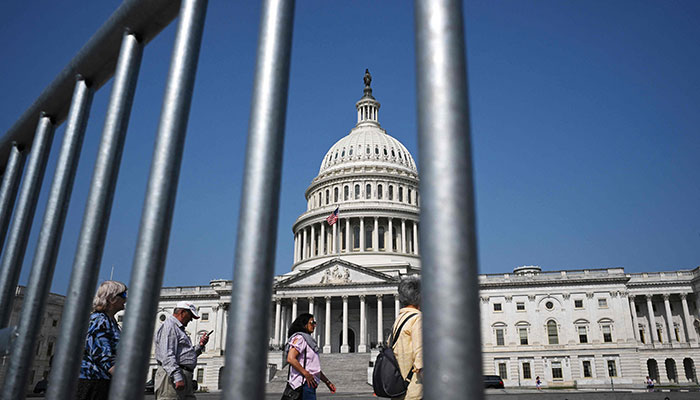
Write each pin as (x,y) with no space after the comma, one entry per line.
(653,336)
(287,309)
(356,234)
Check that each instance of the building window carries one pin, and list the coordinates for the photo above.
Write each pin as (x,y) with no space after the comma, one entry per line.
(520,306)
(641,335)
(502,370)
(636,307)
(557,373)
(200,375)
(54,323)
(602,303)
(500,339)
(356,237)
(578,303)
(582,334)
(49,349)
(549,305)
(327,195)
(527,372)
(497,307)
(346,193)
(612,368)
(379,192)
(357,192)
(381,238)
(607,333)
(587,369)
(660,333)
(335,195)
(552,332)
(205,316)
(162,317)
(675,330)
(368,191)
(391,192)
(408,196)
(522,332)
(368,238)
(400,194)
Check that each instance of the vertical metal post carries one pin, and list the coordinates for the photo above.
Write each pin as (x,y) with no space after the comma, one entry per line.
(156,220)
(44,262)
(11,263)
(86,265)
(257,228)
(8,189)
(448,226)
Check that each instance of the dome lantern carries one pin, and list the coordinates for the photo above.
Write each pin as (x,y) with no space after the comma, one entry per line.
(367,107)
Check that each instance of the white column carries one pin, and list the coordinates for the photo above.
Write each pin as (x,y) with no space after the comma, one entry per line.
(652,320)
(225,325)
(391,237)
(278,321)
(362,233)
(687,321)
(362,348)
(415,237)
(311,305)
(323,250)
(285,323)
(296,247)
(380,318)
(669,319)
(294,308)
(303,245)
(344,348)
(327,323)
(635,321)
(403,235)
(219,326)
(313,240)
(397,306)
(347,235)
(375,235)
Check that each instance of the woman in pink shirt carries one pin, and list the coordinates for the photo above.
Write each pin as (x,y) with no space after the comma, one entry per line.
(301,352)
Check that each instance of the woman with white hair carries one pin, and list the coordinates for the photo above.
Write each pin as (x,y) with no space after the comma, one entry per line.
(97,366)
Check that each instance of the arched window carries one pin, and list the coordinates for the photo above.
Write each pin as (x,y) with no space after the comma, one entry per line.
(357,192)
(356,237)
(346,193)
(368,237)
(327,195)
(376,150)
(381,238)
(368,191)
(552,333)
(379,192)
(335,195)
(351,151)
(343,153)
(391,192)
(408,196)
(400,194)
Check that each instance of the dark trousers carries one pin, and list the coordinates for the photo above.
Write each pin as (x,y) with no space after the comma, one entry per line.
(93,389)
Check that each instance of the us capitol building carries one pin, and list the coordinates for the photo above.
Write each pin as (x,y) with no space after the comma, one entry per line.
(570,327)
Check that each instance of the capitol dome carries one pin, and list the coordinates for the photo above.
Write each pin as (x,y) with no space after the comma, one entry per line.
(372,180)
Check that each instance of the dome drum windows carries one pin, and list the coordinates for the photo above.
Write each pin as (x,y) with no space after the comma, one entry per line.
(357,192)
(379,192)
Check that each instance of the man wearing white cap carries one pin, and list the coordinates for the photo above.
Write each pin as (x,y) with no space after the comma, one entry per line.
(175,355)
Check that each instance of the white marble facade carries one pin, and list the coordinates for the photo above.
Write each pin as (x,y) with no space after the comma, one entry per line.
(569,327)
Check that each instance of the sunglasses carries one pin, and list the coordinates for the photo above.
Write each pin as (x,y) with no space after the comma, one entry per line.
(313,323)
(122,295)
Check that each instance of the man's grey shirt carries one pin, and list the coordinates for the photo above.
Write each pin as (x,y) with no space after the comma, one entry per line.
(174,348)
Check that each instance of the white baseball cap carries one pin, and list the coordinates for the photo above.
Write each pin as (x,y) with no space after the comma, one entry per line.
(188,306)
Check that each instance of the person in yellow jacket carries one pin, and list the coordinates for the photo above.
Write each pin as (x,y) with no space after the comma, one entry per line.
(409,346)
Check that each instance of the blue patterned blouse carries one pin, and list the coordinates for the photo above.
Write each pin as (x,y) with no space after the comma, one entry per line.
(100,347)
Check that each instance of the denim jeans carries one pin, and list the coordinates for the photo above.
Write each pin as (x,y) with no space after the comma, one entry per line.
(308,392)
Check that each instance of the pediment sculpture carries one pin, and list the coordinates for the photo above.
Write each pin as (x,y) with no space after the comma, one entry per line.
(335,275)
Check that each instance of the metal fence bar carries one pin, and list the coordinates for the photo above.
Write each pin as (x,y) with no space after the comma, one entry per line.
(86,265)
(49,240)
(8,189)
(255,250)
(95,61)
(12,258)
(448,226)
(156,220)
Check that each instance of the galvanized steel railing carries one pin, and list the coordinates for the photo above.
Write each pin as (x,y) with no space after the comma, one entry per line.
(452,337)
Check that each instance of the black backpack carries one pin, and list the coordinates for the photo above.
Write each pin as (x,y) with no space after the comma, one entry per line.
(386,376)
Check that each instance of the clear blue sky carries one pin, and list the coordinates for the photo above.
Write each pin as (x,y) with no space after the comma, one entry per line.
(585,125)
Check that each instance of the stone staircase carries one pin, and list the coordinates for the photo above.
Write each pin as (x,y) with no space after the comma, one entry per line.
(347,371)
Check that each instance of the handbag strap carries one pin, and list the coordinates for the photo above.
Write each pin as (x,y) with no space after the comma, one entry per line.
(289,372)
(395,337)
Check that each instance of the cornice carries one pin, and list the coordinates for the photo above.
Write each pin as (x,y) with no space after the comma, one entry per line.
(393,210)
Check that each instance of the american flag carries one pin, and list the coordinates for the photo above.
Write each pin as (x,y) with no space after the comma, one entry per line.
(333,217)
